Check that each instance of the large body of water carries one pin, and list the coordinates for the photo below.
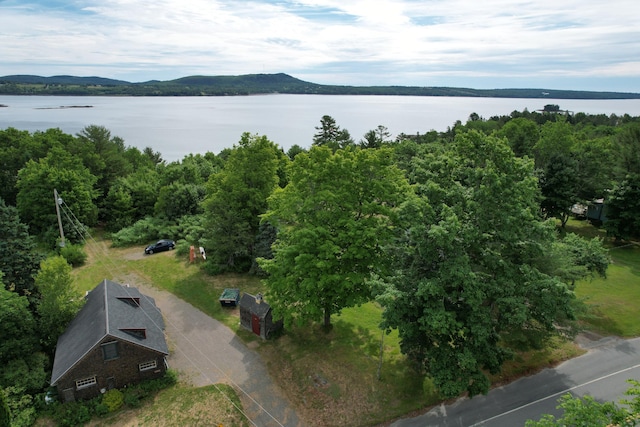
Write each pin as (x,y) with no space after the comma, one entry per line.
(178,126)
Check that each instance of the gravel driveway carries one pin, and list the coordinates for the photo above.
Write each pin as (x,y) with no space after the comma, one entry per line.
(208,352)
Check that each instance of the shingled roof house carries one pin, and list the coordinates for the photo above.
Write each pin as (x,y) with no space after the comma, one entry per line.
(116,339)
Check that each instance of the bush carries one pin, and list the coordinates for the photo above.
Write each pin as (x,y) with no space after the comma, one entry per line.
(132,397)
(77,413)
(143,231)
(150,229)
(102,410)
(72,414)
(113,399)
(74,254)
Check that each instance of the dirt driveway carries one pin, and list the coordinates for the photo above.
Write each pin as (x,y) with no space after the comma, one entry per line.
(204,351)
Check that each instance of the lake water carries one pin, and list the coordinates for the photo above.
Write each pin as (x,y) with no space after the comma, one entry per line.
(177,126)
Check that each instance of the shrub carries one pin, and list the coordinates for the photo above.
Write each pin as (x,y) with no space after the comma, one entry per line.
(102,409)
(113,399)
(74,254)
(72,414)
(132,397)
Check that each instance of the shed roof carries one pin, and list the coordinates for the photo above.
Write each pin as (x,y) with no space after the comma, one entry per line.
(112,310)
(255,304)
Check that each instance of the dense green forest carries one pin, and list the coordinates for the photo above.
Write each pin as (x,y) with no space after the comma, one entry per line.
(252,84)
(460,224)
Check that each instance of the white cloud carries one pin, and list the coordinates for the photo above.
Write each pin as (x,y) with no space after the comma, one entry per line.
(370,42)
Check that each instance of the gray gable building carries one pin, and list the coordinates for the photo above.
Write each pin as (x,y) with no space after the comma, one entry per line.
(116,339)
(256,316)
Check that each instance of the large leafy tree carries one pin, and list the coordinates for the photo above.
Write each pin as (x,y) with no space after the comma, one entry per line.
(75,184)
(522,134)
(58,303)
(334,218)
(19,260)
(237,196)
(622,206)
(628,150)
(22,366)
(16,148)
(558,184)
(596,160)
(470,264)
(559,171)
(18,337)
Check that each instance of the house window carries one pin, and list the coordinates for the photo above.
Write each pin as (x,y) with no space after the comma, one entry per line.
(110,350)
(85,382)
(151,364)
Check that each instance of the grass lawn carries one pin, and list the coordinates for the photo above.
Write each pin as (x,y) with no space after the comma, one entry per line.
(212,405)
(336,378)
(612,302)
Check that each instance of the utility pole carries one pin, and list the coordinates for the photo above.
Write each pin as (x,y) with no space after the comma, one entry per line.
(58,201)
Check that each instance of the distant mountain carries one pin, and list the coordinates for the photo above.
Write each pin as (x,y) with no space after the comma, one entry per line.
(62,80)
(253,84)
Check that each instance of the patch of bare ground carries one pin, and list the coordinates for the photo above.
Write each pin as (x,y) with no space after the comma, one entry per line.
(326,392)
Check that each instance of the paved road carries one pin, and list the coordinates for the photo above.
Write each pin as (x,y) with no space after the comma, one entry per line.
(602,373)
(208,352)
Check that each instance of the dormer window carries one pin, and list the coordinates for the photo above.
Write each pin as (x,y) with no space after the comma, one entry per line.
(132,301)
(136,332)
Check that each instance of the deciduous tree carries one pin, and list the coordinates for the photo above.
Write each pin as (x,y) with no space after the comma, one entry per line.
(522,134)
(622,209)
(333,219)
(586,411)
(58,303)
(75,184)
(469,272)
(18,337)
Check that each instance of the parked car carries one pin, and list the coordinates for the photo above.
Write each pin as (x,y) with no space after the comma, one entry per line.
(160,246)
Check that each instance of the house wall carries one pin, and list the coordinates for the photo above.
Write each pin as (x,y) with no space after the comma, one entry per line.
(270,326)
(115,373)
(245,318)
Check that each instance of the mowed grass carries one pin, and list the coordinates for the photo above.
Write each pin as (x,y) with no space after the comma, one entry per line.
(214,405)
(335,378)
(612,301)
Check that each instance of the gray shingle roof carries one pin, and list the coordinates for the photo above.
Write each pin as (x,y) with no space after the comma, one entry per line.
(255,305)
(110,310)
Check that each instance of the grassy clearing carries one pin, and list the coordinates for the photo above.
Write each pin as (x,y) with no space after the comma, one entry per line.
(183,406)
(332,378)
(612,302)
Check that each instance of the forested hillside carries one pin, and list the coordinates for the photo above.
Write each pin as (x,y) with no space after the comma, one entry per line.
(459,224)
(253,84)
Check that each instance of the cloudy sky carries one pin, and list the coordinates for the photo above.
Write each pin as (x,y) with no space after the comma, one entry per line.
(568,44)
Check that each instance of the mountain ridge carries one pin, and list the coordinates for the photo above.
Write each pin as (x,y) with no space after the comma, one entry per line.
(254,84)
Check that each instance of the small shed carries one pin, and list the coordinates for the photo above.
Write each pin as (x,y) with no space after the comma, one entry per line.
(255,316)
(230,297)
(597,211)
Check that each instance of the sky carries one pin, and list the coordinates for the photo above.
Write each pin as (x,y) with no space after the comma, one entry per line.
(549,44)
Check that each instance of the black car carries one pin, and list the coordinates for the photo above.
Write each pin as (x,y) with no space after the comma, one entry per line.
(159,246)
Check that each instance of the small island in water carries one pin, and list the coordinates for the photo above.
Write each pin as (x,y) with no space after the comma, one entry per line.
(260,84)
(64,106)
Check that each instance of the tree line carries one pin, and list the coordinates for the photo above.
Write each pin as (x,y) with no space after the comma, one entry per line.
(453,233)
(251,84)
